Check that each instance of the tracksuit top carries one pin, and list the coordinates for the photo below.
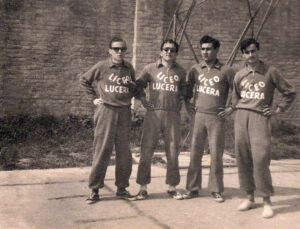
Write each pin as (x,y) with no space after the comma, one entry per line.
(166,85)
(111,82)
(253,90)
(209,87)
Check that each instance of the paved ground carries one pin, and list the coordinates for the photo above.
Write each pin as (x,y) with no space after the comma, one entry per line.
(54,198)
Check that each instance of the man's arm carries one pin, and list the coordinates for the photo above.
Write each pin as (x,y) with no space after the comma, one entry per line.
(182,89)
(286,89)
(236,94)
(190,83)
(86,81)
(141,84)
(229,74)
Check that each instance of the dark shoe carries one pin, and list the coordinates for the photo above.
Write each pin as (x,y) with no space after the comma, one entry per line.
(175,195)
(124,194)
(190,194)
(142,195)
(218,197)
(93,198)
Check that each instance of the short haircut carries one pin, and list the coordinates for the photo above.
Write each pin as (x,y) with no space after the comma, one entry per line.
(171,41)
(116,39)
(247,42)
(209,39)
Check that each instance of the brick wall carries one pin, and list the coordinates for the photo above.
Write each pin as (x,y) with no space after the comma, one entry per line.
(280,38)
(46,43)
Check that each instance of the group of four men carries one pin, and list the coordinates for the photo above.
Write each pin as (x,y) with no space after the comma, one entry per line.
(204,90)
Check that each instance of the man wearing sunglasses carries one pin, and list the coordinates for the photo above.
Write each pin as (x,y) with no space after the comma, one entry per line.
(208,83)
(114,79)
(252,96)
(166,82)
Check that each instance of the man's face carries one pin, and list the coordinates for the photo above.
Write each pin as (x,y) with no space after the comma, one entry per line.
(168,52)
(250,54)
(117,51)
(208,52)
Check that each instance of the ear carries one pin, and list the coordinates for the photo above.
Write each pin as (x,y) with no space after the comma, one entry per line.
(110,51)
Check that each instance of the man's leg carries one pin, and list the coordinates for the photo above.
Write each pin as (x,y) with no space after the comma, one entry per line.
(244,158)
(194,175)
(243,151)
(216,139)
(104,135)
(171,135)
(150,136)
(260,139)
(123,154)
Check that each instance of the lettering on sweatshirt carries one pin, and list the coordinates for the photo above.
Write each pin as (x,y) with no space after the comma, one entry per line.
(166,83)
(115,84)
(254,90)
(207,85)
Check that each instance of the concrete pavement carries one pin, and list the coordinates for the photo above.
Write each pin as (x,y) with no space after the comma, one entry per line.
(55,198)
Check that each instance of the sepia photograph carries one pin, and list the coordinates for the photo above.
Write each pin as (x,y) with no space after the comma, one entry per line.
(152,114)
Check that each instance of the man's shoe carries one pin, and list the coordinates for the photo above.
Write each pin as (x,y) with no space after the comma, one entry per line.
(190,194)
(142,195)
(93,198)
(268,211)
(124,194)
(246,205)
(218,197)
(175,195)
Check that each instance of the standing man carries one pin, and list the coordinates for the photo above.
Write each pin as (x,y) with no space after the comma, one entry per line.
(253,93)
(208,84)
(114,78)
(166,82)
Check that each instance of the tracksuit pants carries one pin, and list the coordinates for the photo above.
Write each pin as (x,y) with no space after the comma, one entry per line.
(252,148)
(211,126)
(112,127)
(167,123)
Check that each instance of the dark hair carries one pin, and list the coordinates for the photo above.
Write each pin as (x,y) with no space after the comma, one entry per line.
(116,39)
(247,42)
(171,41)
(209,39)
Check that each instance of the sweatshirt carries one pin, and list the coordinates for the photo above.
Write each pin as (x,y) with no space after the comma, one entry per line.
(166,85)
(254,90)
(209,87)
(111,82)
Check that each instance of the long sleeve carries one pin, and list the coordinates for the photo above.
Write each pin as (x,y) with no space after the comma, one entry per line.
(133,89)
(86,81)
(230,78)
(235,95)
(190,82)
(142,83)
(285,88)
(182,87)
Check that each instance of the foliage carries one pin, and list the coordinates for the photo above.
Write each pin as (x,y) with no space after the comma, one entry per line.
(54,142)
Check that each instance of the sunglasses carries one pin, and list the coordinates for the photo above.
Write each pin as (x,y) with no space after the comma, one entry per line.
(251,51)
(117,49)
(169,49)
